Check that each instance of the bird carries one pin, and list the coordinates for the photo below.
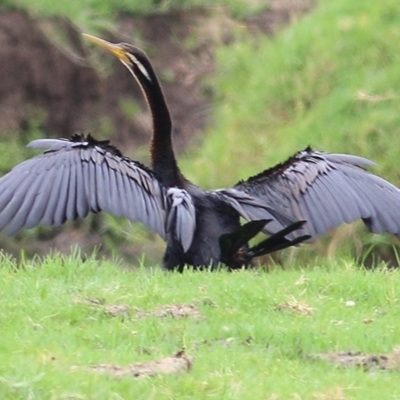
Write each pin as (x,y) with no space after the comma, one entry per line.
(295,201)
(79,175)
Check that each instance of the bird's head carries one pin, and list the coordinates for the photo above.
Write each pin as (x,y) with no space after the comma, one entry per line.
(131,56)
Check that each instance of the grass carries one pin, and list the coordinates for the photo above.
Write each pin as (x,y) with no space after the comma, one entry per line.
(329,80)
(247,344)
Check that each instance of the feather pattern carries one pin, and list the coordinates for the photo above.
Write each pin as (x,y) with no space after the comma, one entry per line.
(326,190)
(181,219)
(74,177)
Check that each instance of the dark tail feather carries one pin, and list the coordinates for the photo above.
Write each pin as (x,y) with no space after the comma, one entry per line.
(234,251)
(230,243)
(278,241)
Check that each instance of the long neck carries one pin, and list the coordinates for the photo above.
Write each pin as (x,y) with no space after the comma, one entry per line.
(162,154)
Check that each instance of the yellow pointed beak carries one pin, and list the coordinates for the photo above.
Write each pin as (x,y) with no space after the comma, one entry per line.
(115,49)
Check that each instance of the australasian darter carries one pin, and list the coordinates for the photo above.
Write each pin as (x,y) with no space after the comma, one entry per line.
(202,228)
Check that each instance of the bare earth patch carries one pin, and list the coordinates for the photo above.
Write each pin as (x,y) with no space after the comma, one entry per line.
(172,310)
(116,310)
(335,393)
(295,306)
(169,310)
(174,365)
(369,362)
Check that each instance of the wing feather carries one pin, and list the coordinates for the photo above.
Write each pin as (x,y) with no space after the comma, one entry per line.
(61,206)
(82,204)
(326,190)
(41,202)
(23,201)
(71,206)
(181,219)
(48,217)
(74,177)
(14,203)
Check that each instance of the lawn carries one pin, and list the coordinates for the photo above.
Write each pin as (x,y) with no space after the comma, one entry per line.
(252,334)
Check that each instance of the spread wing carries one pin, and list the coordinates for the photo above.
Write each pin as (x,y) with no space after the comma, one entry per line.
(75,177)
(326,190)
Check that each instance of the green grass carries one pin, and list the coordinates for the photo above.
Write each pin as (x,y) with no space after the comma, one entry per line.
(244,347)
(330,80)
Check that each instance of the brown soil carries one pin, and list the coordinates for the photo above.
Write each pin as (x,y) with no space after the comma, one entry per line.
(368,362)
(48,68)
(294,306)
(174,365)
(123,310)
(172,310)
